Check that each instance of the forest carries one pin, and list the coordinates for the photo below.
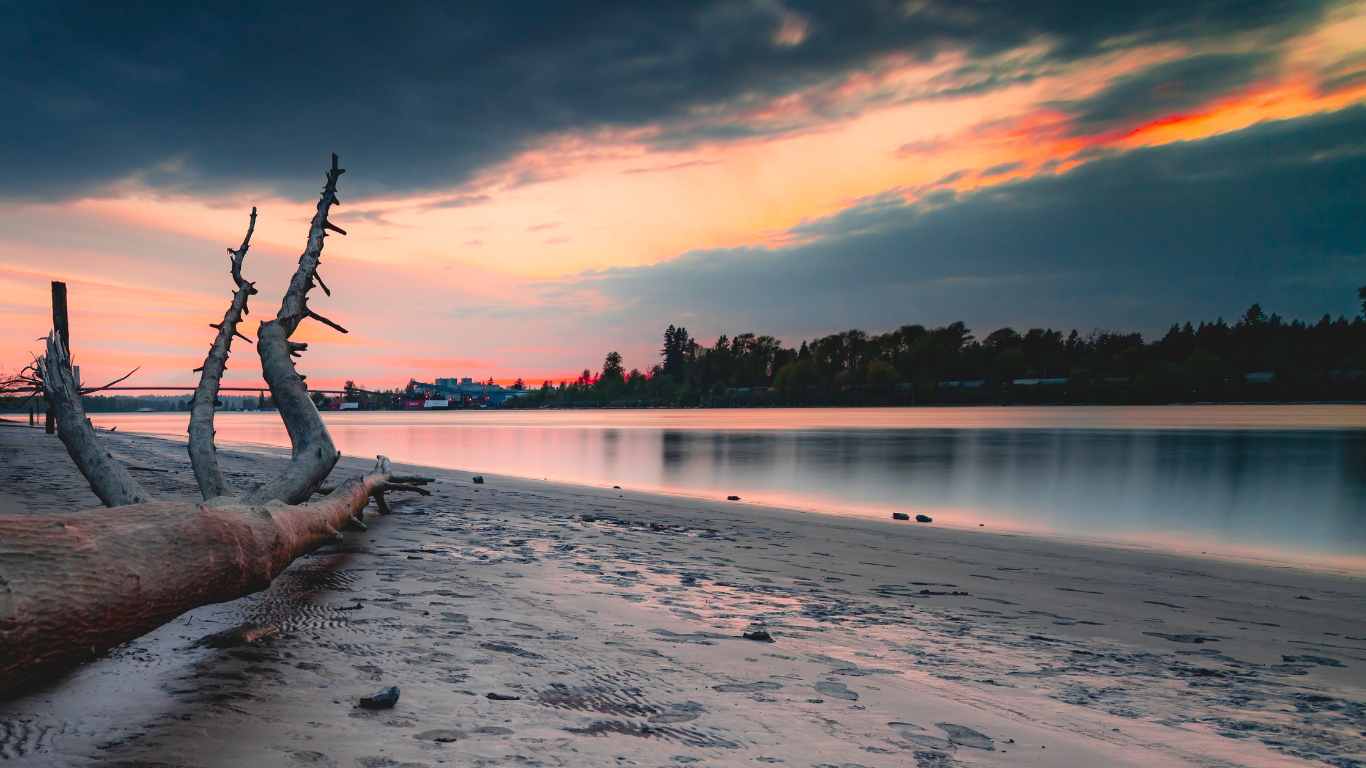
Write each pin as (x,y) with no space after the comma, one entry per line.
(1253,359)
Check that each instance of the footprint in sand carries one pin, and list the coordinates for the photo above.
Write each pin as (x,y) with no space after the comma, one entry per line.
(967,737)
(836,691)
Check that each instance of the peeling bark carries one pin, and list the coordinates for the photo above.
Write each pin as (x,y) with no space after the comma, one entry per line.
(108,479)
(314,453)
(203,456)
(73,585)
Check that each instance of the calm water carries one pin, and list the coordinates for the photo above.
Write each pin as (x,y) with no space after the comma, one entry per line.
(1279,481)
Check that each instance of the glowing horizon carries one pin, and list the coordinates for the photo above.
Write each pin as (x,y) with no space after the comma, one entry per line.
(470,280)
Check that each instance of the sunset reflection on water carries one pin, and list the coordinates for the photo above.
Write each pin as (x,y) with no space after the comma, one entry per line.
(1272,480)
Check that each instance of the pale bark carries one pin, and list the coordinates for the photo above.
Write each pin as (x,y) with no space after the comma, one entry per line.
(108,479)
(314,453)
(75,584)
(203,454)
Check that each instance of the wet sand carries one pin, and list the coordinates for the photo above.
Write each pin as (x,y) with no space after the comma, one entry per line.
(533,623)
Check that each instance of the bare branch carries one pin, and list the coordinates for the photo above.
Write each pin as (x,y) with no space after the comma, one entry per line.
(110,481)
(212,482)
(325,321)
(314,452)
(112,383)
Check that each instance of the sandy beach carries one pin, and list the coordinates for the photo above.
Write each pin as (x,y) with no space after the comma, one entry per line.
(534,623)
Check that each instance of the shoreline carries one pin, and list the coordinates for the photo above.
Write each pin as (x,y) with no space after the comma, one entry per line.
(1193,543)
(615,618)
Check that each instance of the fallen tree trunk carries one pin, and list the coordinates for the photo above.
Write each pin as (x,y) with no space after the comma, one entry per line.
(73,585)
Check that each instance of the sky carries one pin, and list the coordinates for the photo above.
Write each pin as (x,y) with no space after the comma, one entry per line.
(530,186)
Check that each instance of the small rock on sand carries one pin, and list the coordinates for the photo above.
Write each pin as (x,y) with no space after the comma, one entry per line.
(732,498)
(924,519)
(900,516)
(760,635)
(478,479)
(503,697)
(386,698)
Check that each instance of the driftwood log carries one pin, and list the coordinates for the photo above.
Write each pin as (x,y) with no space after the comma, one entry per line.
(73,585)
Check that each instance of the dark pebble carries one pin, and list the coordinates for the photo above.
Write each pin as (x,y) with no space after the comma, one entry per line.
(732,498)
(504,697)
(761,636)
(386,698)
(478,479)
(900,516)
(924,519)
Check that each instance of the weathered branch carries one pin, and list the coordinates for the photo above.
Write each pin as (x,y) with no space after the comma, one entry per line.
(314,453)
(92,390)
(108,479)
(325,321)
(75,584)
(212,482)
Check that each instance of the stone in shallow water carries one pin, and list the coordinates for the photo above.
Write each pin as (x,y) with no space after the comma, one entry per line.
(762,685)
(231,638)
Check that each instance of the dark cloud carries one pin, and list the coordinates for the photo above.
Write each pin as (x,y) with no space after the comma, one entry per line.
(1167,88)
(420,95)
(459,201)
(1275,213)
(1003,168)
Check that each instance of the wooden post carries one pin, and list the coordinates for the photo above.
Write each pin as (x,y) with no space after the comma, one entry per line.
(59,324)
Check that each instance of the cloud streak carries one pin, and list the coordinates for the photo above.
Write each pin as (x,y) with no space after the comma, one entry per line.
(1275,213)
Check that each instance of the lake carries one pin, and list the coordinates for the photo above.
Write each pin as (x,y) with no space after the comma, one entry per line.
(1280,482)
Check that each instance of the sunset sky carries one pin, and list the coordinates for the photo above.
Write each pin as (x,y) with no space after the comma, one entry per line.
(532,185)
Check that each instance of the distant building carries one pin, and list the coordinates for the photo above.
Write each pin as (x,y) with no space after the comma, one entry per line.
(466,388)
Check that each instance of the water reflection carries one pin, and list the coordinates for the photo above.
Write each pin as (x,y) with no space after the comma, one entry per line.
(1281,489)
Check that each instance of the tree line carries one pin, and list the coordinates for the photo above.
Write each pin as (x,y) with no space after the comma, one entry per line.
(1257,357)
